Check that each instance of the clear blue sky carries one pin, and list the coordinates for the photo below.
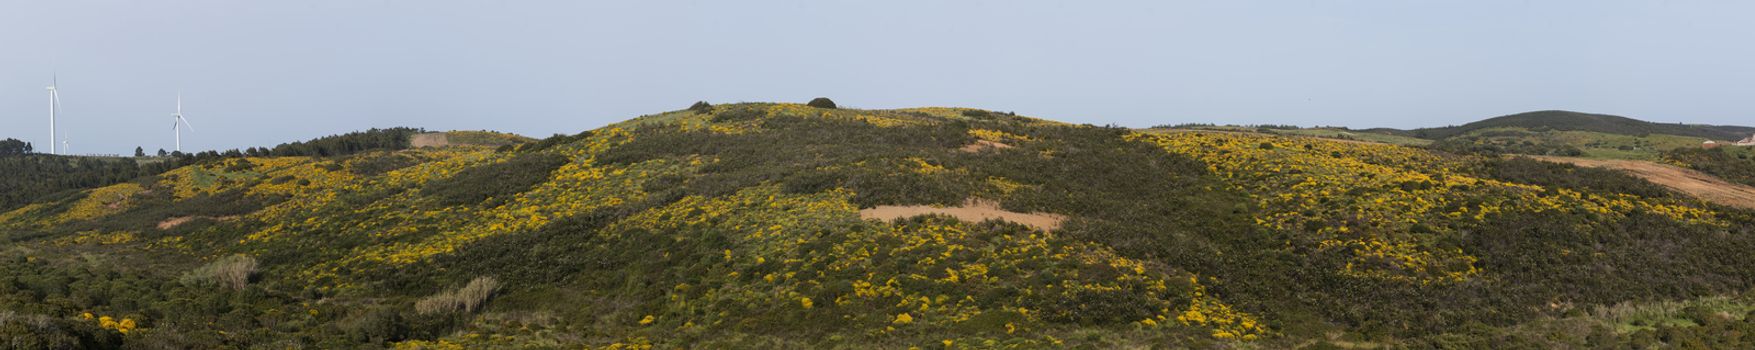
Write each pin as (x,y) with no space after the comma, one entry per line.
(265,72)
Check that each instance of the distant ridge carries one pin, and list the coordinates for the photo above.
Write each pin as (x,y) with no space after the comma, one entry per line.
(1578,121)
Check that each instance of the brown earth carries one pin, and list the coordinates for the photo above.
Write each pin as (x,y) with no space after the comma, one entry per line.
(1694,183)
(973,210)
(982,145)
(432,139)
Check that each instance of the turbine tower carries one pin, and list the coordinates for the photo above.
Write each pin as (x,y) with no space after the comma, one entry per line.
(177,118)
(54,104)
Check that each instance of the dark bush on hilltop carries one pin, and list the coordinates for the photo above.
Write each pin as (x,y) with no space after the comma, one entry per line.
(821,102)
(701,107)
(13,147)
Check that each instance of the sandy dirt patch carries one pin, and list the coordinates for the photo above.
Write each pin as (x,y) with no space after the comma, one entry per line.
(174,222)
(973,210)
(432,139)
(1694,183)
(983,145)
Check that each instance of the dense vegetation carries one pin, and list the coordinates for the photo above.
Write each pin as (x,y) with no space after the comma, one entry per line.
(13,147)
(1731,164)
(740,226)
(345,144)
(32,176)
(1575,121)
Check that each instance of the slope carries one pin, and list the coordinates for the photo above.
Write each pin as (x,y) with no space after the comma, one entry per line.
(1683,180)
(1575,121)
(739,226)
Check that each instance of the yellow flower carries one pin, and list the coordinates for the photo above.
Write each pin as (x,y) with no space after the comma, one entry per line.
(805,302)
(648,320)
(904,318)
(86,315)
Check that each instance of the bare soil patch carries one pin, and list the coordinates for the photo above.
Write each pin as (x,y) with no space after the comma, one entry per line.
(1694,183)
(174,222)
(983,145)
(973,210)
(431,139)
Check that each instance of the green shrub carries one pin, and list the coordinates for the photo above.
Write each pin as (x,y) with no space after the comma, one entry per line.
(701,107)
(821,102)
(497,181)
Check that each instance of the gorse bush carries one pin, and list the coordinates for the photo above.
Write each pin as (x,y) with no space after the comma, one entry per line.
(462,300)
(495,181)
(233,272)
(744,227)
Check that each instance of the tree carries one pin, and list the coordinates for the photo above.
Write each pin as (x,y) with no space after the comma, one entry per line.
(13,147)
(821,102)
(139,152)
(161,152)
(701,107)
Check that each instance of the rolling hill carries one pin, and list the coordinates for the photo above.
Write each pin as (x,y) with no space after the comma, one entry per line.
(770,225)
(1601,123)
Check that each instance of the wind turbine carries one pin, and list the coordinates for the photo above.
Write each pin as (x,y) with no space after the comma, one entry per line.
(54,109)
(177,118)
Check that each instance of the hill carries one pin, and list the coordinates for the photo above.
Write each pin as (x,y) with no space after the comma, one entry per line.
(766,225)
(1575,121)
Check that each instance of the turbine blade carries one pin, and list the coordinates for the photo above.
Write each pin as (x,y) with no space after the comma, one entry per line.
(185,123)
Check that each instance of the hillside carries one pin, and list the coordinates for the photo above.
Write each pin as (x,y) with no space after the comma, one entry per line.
(766,225)
(1601,123)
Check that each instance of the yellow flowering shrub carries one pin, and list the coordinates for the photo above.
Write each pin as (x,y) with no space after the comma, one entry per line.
(1370,200)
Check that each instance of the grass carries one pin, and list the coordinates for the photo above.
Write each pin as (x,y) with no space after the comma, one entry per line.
(465,300)
(1355,135)
(232,272)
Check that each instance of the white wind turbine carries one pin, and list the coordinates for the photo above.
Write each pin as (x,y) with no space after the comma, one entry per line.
(54,109)
(177,118)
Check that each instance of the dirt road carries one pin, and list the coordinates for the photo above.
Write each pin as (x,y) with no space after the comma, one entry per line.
(971,211)
(1687,181)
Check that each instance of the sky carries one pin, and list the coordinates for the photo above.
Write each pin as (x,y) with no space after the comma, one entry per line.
(260,73)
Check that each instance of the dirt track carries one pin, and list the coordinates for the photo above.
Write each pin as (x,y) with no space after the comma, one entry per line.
(432,139)
(971,211)
(1692,182)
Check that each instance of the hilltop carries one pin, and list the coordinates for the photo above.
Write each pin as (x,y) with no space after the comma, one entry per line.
(1576,121)
(772,225)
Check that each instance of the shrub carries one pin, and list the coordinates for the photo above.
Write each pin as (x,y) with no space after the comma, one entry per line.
(701,107)
(466,299)
(498,181)
(232,271)
(821,102)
